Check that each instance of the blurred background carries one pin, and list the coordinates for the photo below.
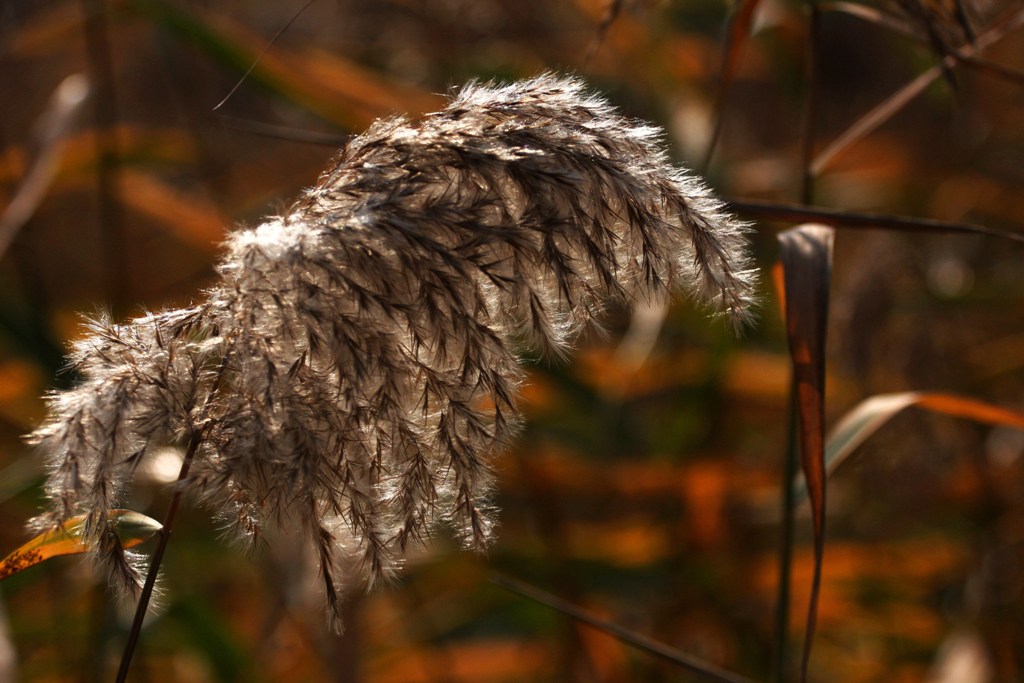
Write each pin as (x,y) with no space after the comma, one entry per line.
(646,484)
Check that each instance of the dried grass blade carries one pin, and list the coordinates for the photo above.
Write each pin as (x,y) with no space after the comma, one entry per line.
(131,529)
(740,22)
(885,110)
(971,409)
(1008,73)
(871,121)
(858,425)
(873,15)
(806,254)
(637,640)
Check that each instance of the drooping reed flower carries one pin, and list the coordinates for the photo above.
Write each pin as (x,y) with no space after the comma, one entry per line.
(354,371)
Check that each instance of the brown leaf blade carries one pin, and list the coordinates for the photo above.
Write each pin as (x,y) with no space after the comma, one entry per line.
(806,255)
(867,417)
(131,528)
(741,22)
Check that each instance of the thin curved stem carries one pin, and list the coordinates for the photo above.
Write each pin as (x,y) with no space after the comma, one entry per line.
(782,603)
(780,211)
(198,434)
(628,636)
(158,555)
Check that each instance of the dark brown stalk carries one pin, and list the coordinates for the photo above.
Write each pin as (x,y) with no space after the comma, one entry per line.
(626,635)
(165,534)
(158,555)
(963,20)
(740,21)
(780,211)
(810,104)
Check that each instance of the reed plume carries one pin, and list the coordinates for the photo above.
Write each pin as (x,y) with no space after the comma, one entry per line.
(354,370)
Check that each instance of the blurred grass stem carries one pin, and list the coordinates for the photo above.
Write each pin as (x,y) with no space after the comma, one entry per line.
(108,153)
(886,109)
(52,130)
(627,636)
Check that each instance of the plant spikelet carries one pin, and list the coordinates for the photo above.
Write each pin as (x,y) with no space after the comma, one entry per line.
(354,371)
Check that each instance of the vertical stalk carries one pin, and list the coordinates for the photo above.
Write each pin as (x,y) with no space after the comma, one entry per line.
(807,127)
(810,103)
(789,471)
(198,433)
(158,555)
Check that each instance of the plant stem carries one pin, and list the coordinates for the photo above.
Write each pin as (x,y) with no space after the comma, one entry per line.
(628,636)
(789,471)
(142,607)
(807,125)
(783,212)
(158,555)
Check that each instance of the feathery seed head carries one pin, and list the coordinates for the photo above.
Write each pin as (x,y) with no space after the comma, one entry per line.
(354,371)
